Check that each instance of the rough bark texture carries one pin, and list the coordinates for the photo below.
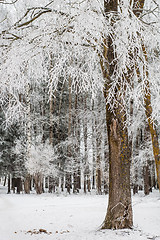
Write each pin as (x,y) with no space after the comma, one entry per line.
(119,213)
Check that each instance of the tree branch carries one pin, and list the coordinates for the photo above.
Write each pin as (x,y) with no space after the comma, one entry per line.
(3,2)
(34,18)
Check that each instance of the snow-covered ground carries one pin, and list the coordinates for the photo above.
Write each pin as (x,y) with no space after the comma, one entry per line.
(74,217)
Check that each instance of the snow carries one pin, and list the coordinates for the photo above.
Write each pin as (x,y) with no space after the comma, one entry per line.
(73,217)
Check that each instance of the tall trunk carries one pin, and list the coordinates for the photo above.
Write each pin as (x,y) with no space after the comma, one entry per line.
(51,185)
(85,131)
(119,212)
(79,142)
(42,107)
(38,183)
(93,148)
(9,183)
(27,178)
(28,102)
(76,134)
(51,107)
(19,185)
(146,170)
(68,175)
(27,184)
(98,162)
(106,167)
(146,179)
(46,182)
(51,120)
(148,111)
(138,8)
(154,135)
(5,179)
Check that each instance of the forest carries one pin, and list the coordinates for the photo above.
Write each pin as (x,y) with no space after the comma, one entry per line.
(80,106)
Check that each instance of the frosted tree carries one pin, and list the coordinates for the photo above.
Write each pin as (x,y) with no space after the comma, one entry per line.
(127,72)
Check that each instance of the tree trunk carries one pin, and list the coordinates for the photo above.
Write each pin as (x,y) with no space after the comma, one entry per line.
(51,185)
(85,135)
(88,183)
(51,121)
(62,183)
(19,185)
(46,182)
(68,182)
(5,179)
(152,128)
(146,180)
(135,188)
(93,150)
(28,102)
(76,134)
(106,167)
(98,162)
(27,184)
(38,183)
(69,150)
(119,212)
(138,8)
(9,184)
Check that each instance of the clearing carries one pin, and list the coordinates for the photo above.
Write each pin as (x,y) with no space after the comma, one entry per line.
(74,217)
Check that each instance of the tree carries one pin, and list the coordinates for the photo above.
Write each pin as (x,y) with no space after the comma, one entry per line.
(119,73)
(119,213)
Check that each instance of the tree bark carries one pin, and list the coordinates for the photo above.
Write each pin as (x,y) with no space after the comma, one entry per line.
(19,185)
(38,183)
(27,184)
(146,180)
(51,185)
(98,163)
(119,213)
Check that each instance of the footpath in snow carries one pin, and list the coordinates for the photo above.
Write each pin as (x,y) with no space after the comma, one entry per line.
(74,217)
